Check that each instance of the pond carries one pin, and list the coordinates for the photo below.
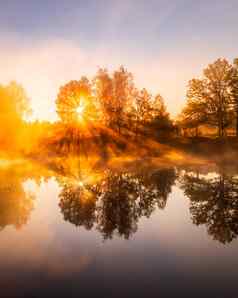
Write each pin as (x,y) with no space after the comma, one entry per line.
(75,228)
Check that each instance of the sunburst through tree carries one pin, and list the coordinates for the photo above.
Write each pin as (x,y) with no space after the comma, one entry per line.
(75,103)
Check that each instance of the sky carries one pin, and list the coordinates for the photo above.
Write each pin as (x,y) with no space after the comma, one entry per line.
(44,44)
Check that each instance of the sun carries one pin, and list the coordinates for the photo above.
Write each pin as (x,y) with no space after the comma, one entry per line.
(76,104)
(80,110)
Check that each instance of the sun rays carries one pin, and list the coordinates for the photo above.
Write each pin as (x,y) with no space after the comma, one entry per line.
(80,110)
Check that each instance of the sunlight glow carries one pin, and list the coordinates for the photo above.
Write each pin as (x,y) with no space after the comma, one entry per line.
(81,184)
(80,110)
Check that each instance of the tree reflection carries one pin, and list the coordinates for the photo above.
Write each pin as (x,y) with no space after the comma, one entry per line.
(214,202)
(118,207)
(116,203)
(15,203)
(78,206)
(159,184)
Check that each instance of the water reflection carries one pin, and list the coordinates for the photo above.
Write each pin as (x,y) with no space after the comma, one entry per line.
(115,204)
(112,200)
(16,204)
(213,203)
(78,205)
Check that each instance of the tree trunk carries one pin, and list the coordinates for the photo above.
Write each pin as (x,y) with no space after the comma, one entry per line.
(237,122)
(220,119)
(196,131)
(136,128)
(119,128)
(219,129)
(220,126)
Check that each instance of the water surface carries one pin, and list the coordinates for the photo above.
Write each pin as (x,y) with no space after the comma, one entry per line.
(82,229)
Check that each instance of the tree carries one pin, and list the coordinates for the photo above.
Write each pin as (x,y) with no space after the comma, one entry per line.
(158,107)
(194,114)
(218,80)
(208,99)
(141,108)
(14,101)
(123,88)
(75,102)
(115,95)
(160,119)
(14,107)
(20,99)
(234,92)
(103,85)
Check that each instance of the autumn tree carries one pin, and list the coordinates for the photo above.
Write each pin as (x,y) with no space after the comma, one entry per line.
(20,99)
(143,106)
(158,107)
(103,87)
(159,117)
(148,111)
(218,80)
(141,109)
(114,93)
(123,86)
(208,99)
(194,114)
(14,108)
(14,101)
(75,102)
(234,92)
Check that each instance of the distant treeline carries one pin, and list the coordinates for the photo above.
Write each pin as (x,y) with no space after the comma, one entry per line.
(113,101)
